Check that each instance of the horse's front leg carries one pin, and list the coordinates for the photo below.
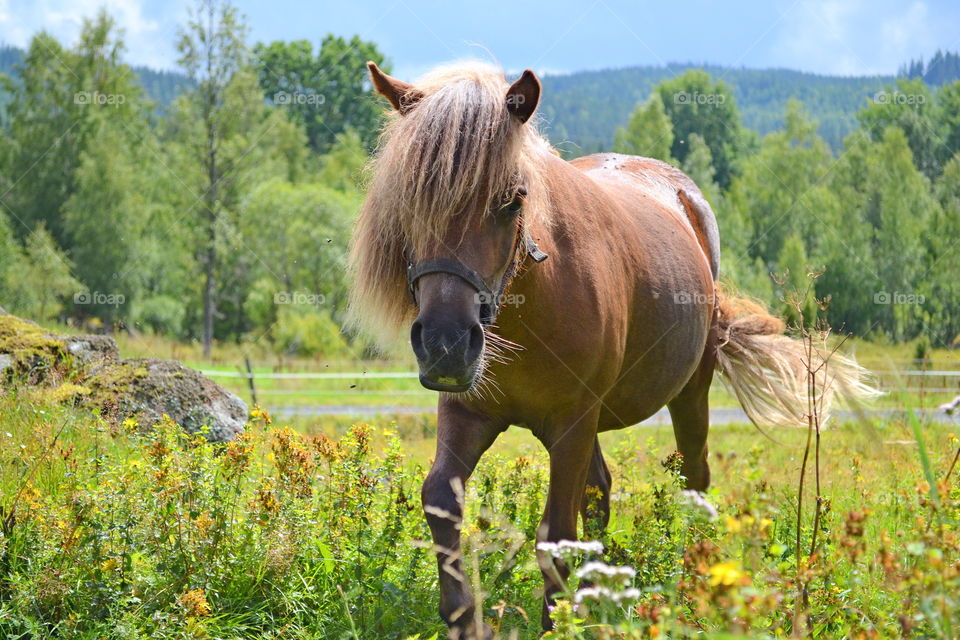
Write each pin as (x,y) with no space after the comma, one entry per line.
(570,444)
(462,437)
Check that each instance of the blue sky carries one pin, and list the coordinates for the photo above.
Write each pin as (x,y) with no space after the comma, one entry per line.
(823,36)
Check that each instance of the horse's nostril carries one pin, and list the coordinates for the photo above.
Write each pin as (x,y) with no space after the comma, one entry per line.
(476,343)
(416,340)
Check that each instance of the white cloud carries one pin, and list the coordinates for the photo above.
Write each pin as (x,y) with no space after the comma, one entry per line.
(853,36)
(148,39)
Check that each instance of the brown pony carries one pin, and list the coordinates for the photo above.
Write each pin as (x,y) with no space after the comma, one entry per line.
(568,298)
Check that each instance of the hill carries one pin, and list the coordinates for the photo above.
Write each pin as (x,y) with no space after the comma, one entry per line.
(161,86)
(585,108)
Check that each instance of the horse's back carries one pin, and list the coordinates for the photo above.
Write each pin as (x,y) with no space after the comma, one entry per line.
(666,184)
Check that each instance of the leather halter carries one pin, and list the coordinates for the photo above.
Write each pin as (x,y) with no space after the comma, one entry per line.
(489,300)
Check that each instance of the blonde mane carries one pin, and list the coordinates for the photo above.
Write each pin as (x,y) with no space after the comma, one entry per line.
(456,152)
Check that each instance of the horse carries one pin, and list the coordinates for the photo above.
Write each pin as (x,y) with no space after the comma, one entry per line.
(567,298)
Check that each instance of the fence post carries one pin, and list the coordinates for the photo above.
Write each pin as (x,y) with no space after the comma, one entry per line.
(253,388)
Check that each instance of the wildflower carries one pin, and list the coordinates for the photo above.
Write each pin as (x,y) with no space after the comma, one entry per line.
(597,569)
(733,524)
(326,447)
(109,565)
(237,456)
(571,546)
(203,523)
(130,425)
(696,499)
(726,574)
(260,414)
(606,594)
(194,603)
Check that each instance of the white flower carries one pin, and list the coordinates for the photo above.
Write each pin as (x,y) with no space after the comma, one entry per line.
(605,594)
(601,569)
(696,499)
(571,547)
(595,593)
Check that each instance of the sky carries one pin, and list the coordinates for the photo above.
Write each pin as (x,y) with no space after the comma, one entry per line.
(853,37)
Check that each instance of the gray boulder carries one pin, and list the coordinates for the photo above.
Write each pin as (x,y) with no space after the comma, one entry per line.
(88,370)
(150,388)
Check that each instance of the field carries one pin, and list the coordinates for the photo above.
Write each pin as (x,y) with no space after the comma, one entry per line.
(298,392)
(112,532)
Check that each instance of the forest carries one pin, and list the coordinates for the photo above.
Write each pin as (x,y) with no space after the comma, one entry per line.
(215,203)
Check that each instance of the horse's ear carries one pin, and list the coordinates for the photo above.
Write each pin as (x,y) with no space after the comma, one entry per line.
(402,95)
(523,96)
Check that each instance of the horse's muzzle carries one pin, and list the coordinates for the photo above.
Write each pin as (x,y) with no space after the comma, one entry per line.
(448,357)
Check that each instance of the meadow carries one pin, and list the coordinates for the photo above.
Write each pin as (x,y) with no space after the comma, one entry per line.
(114,531)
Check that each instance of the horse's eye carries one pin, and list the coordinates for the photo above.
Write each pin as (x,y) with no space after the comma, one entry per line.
(513,207)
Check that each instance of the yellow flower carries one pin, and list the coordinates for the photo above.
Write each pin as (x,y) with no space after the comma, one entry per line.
(109,565)
(203,523)
(726,574)
(194,603)
(733,525)
(765,523)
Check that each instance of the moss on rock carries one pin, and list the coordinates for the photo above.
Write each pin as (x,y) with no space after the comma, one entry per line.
(87,370)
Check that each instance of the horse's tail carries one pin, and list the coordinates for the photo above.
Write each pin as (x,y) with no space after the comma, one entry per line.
(769,372)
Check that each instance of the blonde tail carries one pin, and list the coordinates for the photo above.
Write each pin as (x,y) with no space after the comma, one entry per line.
(768,371)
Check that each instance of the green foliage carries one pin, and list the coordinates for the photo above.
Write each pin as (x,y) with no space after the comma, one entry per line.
(35,278)
(57,99)
(128,532)
(311,333)
(698,105)
(328,93)
(649,132)
(908,106)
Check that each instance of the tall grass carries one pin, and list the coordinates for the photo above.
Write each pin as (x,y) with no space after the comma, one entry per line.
(120,532)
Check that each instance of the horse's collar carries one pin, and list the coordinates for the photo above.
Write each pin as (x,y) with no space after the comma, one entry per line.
(489,300)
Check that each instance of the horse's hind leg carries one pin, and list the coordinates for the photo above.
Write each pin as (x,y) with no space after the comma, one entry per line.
(596,498)
(690,413)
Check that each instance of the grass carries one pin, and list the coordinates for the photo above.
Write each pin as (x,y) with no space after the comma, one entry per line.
(112,531)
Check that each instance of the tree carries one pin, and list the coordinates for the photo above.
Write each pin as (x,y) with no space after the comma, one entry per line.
(944,264)
(947,115)
(106,220)
(213,52)
(909,106)
(793,270)
(328,93)
(649,132)
(697,104)
(699,166)
(38,278)
(56,98)
(770,192)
